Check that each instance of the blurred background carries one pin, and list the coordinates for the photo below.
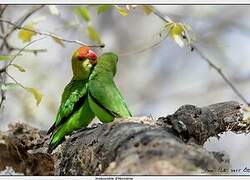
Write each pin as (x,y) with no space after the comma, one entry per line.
(154,80)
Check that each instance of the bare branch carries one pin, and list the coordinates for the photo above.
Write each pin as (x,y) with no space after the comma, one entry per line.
(15,80)
(3,9)
(20,21)
(35,51)
(18,53)
(51,35)
(3,97)
(26,16)
(4,37)
(221,74)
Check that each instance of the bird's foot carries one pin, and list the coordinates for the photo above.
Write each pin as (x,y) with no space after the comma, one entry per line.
(86,128)
(95,125)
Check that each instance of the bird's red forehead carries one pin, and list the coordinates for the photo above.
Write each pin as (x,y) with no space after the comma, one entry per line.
(83,51)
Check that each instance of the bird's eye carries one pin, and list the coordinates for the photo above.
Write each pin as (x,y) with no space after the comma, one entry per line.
(80,58)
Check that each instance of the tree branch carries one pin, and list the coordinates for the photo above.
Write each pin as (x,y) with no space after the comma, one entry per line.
(141,145)
(35,51)
(3,9)
(20,21)
(50,35)
(7,46)
(18,53)
(201,54)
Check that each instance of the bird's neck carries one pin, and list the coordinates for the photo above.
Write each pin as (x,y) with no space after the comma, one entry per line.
(103,69)
(80,74)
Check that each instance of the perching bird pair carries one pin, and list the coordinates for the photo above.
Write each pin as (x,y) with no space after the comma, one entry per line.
(91,92)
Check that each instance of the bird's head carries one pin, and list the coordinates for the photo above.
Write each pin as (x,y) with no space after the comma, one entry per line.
(83,60)
(108,62)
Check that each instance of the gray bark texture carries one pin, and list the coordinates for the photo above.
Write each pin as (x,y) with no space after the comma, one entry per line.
(171,145)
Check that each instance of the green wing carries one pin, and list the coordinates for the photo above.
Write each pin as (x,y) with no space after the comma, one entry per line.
(80,118)
(71,100)
(105,97)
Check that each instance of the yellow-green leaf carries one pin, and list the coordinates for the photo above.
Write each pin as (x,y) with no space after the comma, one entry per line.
(36,94)
(103,8)
(176,32)
(8,58)
(93,34)
(177,29)
(5,58)
(26,35)
(20,68)
(83,12)
(122,11)
(147,9)
(8,86)
(58,41)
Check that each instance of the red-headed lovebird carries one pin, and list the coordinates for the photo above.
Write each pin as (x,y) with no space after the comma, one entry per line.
(105,100)
(74,112)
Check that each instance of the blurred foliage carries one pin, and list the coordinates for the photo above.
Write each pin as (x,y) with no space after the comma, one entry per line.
(58,41)
(83,12)
(5,57)
(93,34)
(147,9)
(26,36)
(103,8)
(122,11)
(20,68)
(36,93)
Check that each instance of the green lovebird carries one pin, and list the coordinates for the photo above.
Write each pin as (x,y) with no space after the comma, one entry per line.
(105,100)
(74,112)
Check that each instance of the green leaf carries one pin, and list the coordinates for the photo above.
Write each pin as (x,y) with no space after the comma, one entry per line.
(122,11)
(58,41)
(83,12)
(5,58)
(20,68)
(26,35)
(93,34)
(177,31)
(103,8)
(36,94)
(147,9)
(9,86)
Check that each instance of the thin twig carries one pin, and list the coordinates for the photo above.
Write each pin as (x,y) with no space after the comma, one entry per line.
(157,13)
(222,75)
(20,21)
(6,45)
(1,14)
(35,51)
(26,16)
(51,35)
(14,80)
(138,51)
(18,53)
(2,80)
(201,54)
(2,10)
(2,76)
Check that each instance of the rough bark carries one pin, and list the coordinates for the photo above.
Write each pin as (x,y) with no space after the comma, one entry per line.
(16,157)
(142,146)
(130,146)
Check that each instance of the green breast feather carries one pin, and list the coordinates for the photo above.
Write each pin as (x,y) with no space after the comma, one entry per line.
(105,100)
